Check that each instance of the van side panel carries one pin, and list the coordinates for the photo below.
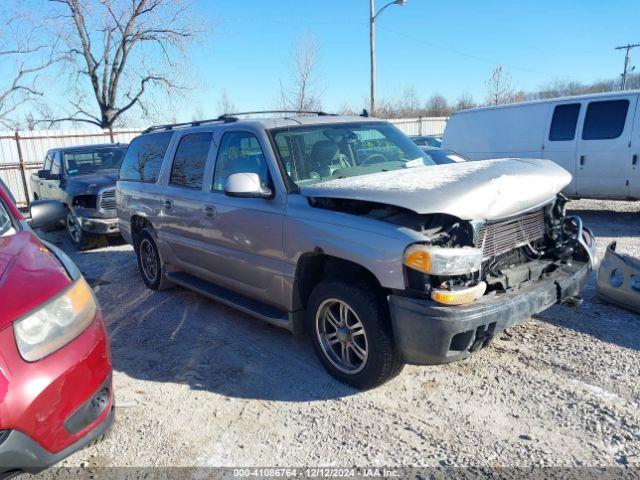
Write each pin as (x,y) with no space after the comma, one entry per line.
(506,131)
(633,158)
(603,166)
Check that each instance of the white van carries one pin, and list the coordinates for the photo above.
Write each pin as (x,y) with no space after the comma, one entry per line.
(592,136)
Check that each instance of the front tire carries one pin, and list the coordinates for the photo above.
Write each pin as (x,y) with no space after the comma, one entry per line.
(80,239)
(150,263)
(351,334)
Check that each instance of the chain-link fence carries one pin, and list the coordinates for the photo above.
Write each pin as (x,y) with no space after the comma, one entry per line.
(22,153)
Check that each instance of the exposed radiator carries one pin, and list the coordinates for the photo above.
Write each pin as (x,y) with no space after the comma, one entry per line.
(500,237)
(107,200)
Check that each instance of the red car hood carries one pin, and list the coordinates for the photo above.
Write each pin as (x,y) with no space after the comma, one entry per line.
(29,275)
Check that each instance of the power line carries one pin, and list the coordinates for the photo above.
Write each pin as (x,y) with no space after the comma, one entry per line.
(468,55)
(402,34)
(627,58)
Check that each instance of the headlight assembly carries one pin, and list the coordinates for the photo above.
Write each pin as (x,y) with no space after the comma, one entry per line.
(56,323)
(443,260)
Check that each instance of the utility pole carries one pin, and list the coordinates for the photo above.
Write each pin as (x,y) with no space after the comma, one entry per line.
(372,51)
(372,44)
(627,59)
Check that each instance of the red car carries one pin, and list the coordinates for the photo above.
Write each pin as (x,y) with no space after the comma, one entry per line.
(55,362)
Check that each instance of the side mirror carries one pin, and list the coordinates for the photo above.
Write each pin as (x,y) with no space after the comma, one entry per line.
(44,213)
(43,174)
(53,176)
(245,185)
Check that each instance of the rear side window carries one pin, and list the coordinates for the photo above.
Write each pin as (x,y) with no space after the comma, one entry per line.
(190,160)
(605,120)
(564,121)
(144,157)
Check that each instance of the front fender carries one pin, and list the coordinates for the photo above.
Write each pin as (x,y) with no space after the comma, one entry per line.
(380,253)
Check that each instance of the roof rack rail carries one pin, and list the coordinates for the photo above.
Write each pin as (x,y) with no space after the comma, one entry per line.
(227,118)
(195,123)
(262,112)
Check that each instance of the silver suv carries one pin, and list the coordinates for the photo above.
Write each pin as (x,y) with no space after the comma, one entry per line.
(343,228)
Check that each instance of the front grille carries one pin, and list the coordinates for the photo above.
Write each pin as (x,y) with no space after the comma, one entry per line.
(500,237)
(107,200)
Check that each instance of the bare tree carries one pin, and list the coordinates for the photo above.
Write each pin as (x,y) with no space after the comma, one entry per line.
(23,56)
(303,92)
(464,102)
(409,103)
(500,88)
(437,106)
(225,105)
(124,48)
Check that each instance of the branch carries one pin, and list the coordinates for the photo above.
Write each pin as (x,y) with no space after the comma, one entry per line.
(73,119)
(136,98)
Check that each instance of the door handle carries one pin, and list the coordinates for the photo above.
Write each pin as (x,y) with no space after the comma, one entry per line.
(634,159)
(209,211)
(49,185)
(582,159)
(167,205)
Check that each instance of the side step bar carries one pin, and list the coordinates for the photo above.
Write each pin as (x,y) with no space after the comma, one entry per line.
(256,309)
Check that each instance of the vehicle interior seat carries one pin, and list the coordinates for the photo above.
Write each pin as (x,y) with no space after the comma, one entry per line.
(325,157)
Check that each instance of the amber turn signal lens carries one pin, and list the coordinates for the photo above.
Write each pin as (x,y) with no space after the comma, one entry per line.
(418,260)
(459,297)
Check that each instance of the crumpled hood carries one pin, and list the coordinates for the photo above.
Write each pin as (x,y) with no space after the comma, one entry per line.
(479,190)
(92,182)
(29,276)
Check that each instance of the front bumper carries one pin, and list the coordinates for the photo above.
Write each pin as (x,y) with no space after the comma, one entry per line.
(619,279)
(428,333)
(99,226)
(56,402)
(96,222)
(20,453)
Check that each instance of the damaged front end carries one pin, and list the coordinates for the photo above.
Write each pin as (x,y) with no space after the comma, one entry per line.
(524,265)
(500,256)
(465,281)
(619,279)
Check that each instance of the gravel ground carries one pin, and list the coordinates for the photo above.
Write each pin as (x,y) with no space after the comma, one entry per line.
(198,384)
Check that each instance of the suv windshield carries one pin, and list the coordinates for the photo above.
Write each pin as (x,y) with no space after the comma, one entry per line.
(323,152)
(79,162)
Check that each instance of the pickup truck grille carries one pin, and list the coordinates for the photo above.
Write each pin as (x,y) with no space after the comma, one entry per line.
(501,237)
(107,200)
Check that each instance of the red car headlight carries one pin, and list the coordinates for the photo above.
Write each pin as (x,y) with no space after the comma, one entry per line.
(56,323)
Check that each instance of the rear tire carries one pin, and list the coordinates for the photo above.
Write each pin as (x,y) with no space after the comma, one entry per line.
(150,263)
(351,334)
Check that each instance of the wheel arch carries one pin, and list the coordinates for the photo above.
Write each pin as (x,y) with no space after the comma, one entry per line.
(138,223)
(317,266)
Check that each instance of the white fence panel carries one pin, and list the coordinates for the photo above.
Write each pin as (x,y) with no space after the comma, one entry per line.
(421,125)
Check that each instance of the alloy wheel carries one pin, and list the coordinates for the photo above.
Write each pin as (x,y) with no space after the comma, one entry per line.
(148,259)
(342,336)
(73,227)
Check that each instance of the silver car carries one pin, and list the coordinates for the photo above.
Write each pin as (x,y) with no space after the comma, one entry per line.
(342,228)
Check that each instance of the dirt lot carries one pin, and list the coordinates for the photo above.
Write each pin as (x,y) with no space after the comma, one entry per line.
(198,384)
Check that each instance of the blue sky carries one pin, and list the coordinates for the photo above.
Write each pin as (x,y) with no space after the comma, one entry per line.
(447,47)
